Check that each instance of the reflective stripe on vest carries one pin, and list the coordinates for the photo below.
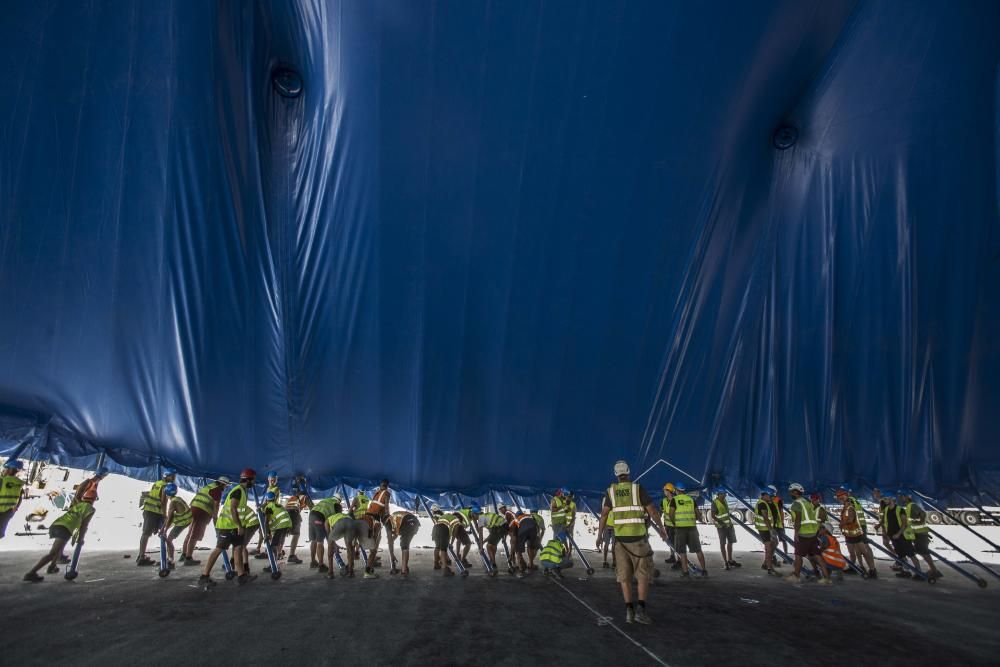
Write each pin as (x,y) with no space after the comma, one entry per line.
(913,526)
(850,528)
(808,524)
(859,512)
(152,502)
(759,518)
(182,513)
(626,508)
(494,520)
(666,514)
(559,509)
(333,519)
(292,503)
(10,492)
(379,503)
(722,514)
(248,517)
(225,519)
(553,552)
(73,518)
(203,499)
(362,507)
(325,507)
(684,514)
(832,554)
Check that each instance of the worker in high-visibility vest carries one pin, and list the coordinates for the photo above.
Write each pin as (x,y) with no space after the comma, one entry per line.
(668,495)
(916,531)
(153,508)
(496,525)
(86,491)
(11,492)
(631,507)
(724,526)
(279,521)
(294,504)
(204,510)
(684,515)
(555,557)
(883,505)
(403,525)
(806,523)
(74,522)
(272,487)
(831,553)
(854,532)
(176,521)
(233,530)
(763,523)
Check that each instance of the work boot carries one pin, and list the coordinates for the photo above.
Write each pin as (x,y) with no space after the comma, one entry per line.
(437,566)
(191,561)
(629,615)
(672,559)
(642,617)
(323,568)
(770,570)
(606,565)
(33,577)
(294,560)
(685,575)
(63,560)
(733,563)
(245,578)
(370,574)
(313,565)
(676,566)
(52,569)
(143,561)
(873,573)
(207,581)
(727,566)
(260,556)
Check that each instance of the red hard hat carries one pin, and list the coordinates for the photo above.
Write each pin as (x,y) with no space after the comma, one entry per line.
(815,496)
(248,473)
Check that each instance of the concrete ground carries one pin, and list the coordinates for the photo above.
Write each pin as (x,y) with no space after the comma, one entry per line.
(117,613)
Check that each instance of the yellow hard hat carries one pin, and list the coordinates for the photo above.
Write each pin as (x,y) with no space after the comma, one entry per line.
(669,486)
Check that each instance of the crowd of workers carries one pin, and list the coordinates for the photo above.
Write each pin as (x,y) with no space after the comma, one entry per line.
(356,529)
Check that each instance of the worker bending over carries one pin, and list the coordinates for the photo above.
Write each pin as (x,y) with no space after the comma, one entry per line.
(402,525)
(204,509)
(232,531)
(294,504)
(806,527)
(279,522)
(832,556)
(73,521)
(684,516)
(177,520)
(555,556)
(153,507)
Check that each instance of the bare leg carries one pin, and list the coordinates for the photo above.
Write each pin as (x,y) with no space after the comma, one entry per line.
(210,563)
(51,557)
(701,561)
(627,591)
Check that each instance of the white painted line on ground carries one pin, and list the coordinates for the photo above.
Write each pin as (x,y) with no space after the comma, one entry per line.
(606,620)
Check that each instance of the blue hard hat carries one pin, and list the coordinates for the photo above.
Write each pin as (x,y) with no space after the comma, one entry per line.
(272,474)
(771,489)
(719,490)
(101,472)
(170,489)
(270,495)
(167,472)
(13,463)
(680,486)
(475,509)
(902,492)
(845,488)
(566,491)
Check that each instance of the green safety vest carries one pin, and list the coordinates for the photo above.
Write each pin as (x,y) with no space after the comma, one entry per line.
(203,499)
(182,513)
(722,514)
(908,532)
(332,520)
(808,524)
(152,502)
(559,511)
(915,526)
(10,492)
(466,515)
(276,491)
(779,512)
(554,552)
(494,520)
(761,513)
(684,514)
(859,511)
(225,520)
(627,509)
(249,517)
(540,522)
(363,502)
(325,507)
(73,518)
(666,514)
(570,512)
(280,518)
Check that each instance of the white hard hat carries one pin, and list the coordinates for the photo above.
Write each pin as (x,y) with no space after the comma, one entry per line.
(435,508)
(223,480)
(621,468)
(795,486)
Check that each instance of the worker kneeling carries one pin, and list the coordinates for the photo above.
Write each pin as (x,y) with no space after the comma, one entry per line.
(555,556)
(831,554)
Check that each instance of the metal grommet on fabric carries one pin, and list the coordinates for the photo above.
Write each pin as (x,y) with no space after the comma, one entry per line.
(785,137)
(287,82)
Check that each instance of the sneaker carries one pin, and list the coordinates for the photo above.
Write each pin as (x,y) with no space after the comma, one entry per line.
(295,560)
(770,570)
(685,575)
(313,565)
(791,577)
(52,569)
(937,574)
(629,615)
(323,568)
(191,561)
(449,573)
(466,563)
(260,556)
(825,581)
(727,566)
(704,573)
(733,563)
(171,565)
(676,566)
(370,575)
(143,561)
(873,573)
(642,617)
(205,580)
(33,577)
(63,560)
(606,565)
(246,578)
(437,566)
(672,559)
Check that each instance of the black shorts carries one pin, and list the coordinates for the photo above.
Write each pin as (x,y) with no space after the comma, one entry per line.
(922,544)
(807,546)
(903,547)
(249,533)
(407,529)
(858,539)
(278,538)
(228,537)
(296,516)
(462,535)
(496,534)
(151,522)
(440,536)
(317,527)
(5,518)
(175,531)
(765,536)
(527,535)
(59,533)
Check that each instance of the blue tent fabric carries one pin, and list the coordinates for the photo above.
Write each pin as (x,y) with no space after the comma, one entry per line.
(495,244)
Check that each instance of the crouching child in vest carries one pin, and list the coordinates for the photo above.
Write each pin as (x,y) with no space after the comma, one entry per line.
(75,520)
(555,556)
(832,555)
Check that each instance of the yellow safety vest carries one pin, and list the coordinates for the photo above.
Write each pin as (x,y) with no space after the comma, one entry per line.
(722,513)
(10,492)
(203,499)
(225,520)
(554,552)
(666,514)
(332,520)
(73,518)
(152,502)
(182,513)
(809,524)
(627,510)
(559,508)
(280,518)
(684,514)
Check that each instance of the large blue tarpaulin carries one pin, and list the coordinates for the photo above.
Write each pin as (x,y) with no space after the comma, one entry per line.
(478,244)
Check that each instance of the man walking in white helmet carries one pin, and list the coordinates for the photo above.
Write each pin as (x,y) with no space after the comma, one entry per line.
(629,505)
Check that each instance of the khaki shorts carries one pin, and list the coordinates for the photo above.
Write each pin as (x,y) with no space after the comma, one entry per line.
(633,559)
